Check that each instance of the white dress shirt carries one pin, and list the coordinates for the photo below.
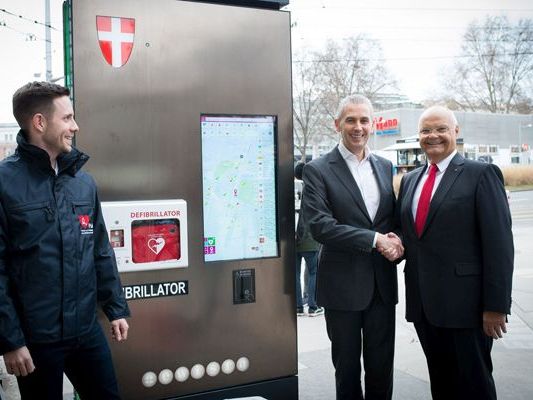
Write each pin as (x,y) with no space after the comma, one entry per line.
(364,177)
(441,170)
(366,181)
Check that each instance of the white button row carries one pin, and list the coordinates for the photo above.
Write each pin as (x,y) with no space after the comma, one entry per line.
(198,371)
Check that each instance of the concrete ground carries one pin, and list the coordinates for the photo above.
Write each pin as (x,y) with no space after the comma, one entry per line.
(512,355)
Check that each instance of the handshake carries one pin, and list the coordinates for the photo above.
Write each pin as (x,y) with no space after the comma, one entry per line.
(390,246)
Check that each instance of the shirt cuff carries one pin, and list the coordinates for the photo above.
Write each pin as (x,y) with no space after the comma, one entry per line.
(375,240)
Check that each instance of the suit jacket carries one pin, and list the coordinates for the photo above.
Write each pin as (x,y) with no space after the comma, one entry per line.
(349,269)
(462,264)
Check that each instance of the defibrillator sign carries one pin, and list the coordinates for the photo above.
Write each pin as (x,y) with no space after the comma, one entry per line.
(147,235)
(160,289)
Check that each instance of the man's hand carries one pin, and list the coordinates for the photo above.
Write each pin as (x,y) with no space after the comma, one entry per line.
(119,329)
(494,324)
(19,362)
(390,246)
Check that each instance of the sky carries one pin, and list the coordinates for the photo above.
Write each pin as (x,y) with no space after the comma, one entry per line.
(420,38)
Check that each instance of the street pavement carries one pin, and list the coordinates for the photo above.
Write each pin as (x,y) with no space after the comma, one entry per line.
(512,356)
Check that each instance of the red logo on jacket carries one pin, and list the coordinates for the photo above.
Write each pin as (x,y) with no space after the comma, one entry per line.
(85,224)
(84,221)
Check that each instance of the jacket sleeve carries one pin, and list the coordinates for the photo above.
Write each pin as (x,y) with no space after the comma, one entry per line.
(324,227)
(494,224)
(110,294)
(11,336)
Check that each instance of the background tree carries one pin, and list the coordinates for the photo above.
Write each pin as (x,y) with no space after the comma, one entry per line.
(354,66)
(494,71)
(323,77)
(307,100)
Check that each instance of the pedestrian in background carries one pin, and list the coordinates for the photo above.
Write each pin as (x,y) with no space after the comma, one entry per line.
(307,249)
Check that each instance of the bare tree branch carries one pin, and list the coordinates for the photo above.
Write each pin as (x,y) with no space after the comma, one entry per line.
(494,71)
(322,78)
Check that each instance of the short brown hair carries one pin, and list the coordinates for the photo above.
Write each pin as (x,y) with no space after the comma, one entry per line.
(33,98)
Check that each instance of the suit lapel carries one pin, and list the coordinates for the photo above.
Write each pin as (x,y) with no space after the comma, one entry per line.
(409,195)
(381,177)
(341,170)
(450,175)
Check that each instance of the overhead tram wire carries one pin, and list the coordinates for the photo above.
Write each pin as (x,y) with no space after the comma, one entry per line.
(411,58)
(30,37)
(28,19)
(359,8)
(331,27)
(416,39)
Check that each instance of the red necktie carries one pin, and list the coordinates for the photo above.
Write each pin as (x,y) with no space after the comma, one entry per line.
(425,199)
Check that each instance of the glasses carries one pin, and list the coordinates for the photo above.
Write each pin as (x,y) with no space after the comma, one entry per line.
(440,129)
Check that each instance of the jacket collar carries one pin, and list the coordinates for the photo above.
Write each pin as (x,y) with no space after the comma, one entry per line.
(67,162)
(454,169)
(338,165)
(347,154)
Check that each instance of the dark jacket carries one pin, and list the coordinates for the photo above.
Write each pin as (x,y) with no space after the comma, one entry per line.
(349,269)
(304,239)
(56,263)
(462,264)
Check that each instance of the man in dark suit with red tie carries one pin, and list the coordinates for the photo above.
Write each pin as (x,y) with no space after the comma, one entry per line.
(456,228)
(349,203)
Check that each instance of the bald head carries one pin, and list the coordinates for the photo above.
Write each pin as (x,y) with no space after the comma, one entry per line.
(438,131)
(440,111)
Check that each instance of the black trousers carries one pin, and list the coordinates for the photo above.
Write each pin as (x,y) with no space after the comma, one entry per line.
(85,360)
(459,362)
(371,330)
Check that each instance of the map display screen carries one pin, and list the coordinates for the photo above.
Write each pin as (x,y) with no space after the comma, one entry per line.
(239,187)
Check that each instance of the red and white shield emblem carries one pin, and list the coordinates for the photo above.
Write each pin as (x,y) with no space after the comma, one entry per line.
(115,36)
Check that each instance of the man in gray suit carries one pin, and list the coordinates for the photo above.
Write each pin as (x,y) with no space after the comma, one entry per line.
(349,205)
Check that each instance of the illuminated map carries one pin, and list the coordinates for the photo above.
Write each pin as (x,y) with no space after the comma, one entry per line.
(239,187)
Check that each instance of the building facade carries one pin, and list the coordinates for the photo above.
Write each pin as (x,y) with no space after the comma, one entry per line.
(8,139)
(503,139)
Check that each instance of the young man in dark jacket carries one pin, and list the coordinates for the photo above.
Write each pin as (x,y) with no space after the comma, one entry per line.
(56,263)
